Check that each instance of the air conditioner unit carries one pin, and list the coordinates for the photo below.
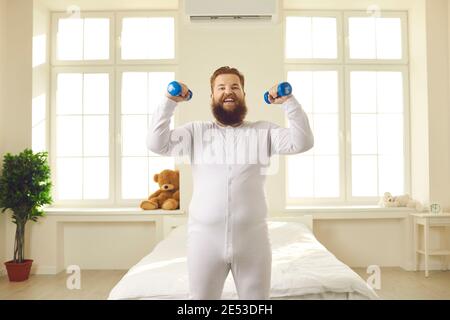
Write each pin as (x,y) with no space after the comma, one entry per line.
(230,10)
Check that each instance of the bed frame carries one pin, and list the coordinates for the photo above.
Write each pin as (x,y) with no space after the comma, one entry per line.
(170,223)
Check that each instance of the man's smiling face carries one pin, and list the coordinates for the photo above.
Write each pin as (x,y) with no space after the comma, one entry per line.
(228,99)
(228,91)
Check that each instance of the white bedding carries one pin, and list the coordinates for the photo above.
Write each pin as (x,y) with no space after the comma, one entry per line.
(302,268)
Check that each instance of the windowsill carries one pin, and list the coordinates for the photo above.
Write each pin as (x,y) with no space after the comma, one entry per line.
(108,212)
(318,212)
(351,212)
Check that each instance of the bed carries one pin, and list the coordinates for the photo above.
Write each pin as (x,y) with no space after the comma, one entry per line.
(302,268)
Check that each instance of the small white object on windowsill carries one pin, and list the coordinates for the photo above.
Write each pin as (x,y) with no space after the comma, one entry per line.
(389,201)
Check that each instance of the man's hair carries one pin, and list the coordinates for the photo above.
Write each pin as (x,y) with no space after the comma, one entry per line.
(226,70)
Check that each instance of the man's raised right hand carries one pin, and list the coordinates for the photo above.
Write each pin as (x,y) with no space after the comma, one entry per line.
(184,94)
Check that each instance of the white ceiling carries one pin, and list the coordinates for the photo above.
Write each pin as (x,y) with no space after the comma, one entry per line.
(63,5)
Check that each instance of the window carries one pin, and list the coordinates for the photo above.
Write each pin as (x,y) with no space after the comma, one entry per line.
(355,96)
(318,34)
(139,95)
(82,139)
(374,38)
(137,44)
(105,86)
(85,39)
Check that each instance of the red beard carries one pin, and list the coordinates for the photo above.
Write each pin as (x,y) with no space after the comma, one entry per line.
(229,117)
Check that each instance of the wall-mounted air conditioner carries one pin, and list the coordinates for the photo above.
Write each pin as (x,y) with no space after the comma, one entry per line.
(230,10)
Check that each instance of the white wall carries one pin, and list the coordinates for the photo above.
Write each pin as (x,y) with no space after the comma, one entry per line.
(41,71)
(438,84)
(17,115)
(2,108)
(357,242)
(257,51)
(15,129)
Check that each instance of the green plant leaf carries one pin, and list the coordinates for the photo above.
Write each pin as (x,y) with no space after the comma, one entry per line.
(25,186)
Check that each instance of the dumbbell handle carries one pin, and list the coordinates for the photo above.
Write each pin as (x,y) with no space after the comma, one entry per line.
(283,89)
(174,88)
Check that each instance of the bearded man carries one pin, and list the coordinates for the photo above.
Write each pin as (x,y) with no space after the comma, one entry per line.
(227,224)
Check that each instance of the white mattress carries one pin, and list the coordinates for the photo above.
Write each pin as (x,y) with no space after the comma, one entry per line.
(302,268)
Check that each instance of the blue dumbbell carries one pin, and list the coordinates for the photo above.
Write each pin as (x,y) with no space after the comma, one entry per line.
(283,89)
(174,88)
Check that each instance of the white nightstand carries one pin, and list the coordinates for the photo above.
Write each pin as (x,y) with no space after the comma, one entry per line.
(428,220)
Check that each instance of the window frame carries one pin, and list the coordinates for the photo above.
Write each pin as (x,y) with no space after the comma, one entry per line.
(344,65)
(341,126)
(316,13)
(406,128)
(115,67)
(83,14)
(143,14)
(382,14)
(118,107)
(82,202)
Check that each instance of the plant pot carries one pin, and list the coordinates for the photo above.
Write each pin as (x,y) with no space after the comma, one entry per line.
(18,271)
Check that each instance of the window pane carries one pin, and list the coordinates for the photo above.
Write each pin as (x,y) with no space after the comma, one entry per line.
(69,178)
(363,92)
(302,88)
(389,38)
(311,37)
(326,134)
(301,176)
(96,178)
(162,44)
(390,92)
(96,39)
(134,93)
(157,86)
(326,176)
(70,39)
(390,134)
(69,93)
(364,176)
(148,38)
(134,134)
(135,39)
(96,136)
(362,38)
(325,88)
(364,134)
(135,178)
(324,38)
(391,174)
(375,38)
(68,137)
(298,37)
(96,93)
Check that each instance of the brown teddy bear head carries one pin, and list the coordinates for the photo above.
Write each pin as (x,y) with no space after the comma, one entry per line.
(168,180)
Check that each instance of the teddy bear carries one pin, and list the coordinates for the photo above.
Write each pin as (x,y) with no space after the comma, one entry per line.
(168,195)
(399,201)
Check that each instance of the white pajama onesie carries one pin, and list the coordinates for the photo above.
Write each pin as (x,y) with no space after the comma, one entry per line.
(227,227)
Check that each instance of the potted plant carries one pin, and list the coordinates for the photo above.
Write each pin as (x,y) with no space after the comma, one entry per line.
(25,186)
